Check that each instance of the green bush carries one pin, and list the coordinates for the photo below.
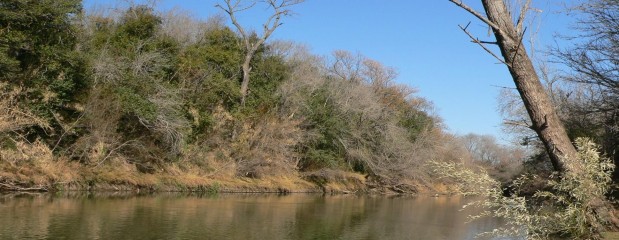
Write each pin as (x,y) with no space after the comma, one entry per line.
(573,208)
(209,74)
(38,54)
(325,148)
(136,68)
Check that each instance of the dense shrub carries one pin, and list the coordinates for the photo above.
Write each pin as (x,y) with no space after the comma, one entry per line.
(574,207)
(38,56)
(160,92)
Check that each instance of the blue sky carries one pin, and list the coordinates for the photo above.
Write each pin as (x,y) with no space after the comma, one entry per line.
(421,39)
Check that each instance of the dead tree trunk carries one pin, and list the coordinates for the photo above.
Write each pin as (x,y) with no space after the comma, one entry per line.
(251,44)
(246,71)
(544,119)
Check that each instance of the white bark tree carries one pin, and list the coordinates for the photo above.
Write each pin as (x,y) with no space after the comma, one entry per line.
(251,44)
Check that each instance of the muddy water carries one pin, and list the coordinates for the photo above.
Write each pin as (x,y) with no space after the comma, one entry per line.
(236,216)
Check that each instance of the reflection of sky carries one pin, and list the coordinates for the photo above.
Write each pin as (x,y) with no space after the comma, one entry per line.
(239,216)
(419,38)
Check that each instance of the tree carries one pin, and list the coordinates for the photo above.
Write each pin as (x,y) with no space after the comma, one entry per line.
(594,63)
(135,90)
(509,35)
(253,42)
(595,60)
(544,118)
(38,56)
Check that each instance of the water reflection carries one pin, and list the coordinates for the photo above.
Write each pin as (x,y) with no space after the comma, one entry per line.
(235,216)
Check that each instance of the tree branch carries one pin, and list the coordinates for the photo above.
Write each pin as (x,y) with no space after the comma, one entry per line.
(481,43)
(521,17)
(481,17)
(517,48)
(280,8)
(113,150)
(518,123)
(231,9)
(13,187)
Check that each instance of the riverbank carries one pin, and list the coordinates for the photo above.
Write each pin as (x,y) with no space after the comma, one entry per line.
(33,167)
(61,175)
(352,184)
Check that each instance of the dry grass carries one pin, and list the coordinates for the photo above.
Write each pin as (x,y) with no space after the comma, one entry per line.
(34,165)
(337,181)
(267,148)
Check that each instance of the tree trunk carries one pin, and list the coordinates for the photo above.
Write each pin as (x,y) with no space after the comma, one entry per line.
(245,83)
(543,116)
(280,9)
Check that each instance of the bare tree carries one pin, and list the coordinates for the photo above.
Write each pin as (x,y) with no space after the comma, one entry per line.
(594,56)
(509,36)
(593,62)
(346,66)
(281,8)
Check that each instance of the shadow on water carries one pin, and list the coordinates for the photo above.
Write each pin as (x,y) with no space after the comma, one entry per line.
(83,215)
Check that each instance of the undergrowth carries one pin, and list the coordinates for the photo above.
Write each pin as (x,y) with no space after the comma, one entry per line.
(574,207)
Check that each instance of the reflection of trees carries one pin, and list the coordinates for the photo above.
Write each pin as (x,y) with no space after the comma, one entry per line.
(329,217)
(236,217)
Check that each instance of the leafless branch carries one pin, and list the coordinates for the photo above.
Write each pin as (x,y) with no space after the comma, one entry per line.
(233,7)
(66,130)
(481,17)
(278,6)
(480,43)
(487,42)
(518,123)
(518,48)
(115,149)
(503,87)
(523,12)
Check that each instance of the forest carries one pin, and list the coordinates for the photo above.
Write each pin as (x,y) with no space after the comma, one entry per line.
(135,98)
(139,99)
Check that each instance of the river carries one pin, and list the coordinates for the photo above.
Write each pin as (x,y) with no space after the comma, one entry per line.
(236,216)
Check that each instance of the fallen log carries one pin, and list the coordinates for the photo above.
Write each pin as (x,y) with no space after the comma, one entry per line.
(9,187)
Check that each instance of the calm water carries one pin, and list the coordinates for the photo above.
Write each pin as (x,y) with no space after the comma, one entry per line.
(236,216)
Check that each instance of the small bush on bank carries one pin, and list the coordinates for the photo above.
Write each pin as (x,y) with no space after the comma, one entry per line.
(574,208)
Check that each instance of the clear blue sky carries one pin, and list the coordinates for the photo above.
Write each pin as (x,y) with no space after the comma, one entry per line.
(419,38)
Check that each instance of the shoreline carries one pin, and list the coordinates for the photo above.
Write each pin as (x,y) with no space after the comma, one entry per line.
(168,184)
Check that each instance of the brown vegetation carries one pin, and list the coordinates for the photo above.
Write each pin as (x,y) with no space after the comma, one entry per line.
(152,104)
